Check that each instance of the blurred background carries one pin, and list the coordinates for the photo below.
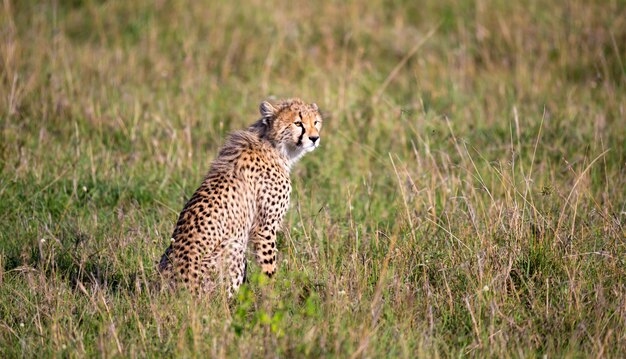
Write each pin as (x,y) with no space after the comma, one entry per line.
(468,197)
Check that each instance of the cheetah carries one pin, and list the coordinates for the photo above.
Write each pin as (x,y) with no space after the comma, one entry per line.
(242,199)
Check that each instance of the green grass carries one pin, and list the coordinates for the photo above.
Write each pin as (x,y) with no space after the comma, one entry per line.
(468,198)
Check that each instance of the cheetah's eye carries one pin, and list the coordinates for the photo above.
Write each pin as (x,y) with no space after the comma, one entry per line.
(316,123)
(298,123)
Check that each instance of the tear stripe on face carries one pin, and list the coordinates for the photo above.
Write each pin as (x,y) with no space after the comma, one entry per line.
(301,136)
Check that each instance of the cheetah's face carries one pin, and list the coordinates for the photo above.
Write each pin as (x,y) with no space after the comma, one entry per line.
(296,126)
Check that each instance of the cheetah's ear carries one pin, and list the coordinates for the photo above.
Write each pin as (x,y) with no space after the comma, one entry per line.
(267,111)
(314,105)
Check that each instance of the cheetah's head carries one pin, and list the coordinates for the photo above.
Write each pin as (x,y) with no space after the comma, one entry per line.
(292,126)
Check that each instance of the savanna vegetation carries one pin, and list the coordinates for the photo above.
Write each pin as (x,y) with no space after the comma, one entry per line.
(468,197)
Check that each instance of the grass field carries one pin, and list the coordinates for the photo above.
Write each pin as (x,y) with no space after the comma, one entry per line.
(468,197)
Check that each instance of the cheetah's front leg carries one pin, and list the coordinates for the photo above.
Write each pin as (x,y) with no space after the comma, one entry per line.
(264,242)
(273,204)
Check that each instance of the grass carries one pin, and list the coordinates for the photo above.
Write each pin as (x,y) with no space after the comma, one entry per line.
(468,199)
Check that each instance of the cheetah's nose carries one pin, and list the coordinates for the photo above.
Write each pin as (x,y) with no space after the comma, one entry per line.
(314,138)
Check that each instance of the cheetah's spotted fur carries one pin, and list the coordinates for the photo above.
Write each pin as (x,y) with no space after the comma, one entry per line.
(244,197)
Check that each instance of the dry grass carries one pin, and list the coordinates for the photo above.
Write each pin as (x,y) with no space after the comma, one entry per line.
(469,196)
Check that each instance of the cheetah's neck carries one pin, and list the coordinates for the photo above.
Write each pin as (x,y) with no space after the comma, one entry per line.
(290,155)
